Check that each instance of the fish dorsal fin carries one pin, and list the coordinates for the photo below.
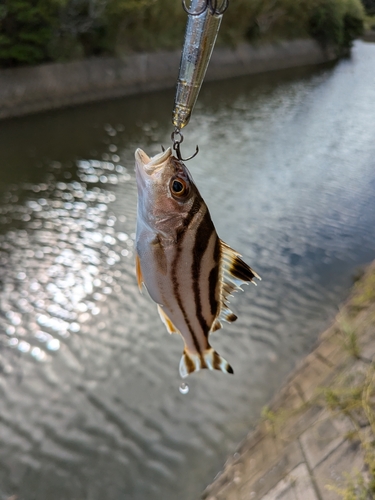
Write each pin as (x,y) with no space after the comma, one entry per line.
(138,272)
(235,273)
(165,319)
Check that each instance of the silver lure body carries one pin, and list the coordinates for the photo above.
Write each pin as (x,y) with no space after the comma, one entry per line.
(200,37)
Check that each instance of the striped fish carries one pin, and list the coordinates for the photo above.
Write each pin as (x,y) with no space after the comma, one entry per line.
(188,271)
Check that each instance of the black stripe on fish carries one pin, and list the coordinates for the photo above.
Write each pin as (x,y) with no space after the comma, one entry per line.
(216,362)
(203,362)
(202,237)
(213,279)
(189,363)
(179,244)
(188,219)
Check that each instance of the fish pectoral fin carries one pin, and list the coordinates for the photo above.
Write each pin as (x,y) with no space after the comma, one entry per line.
(210,359)
(165,319)
(235,273)
(138,272)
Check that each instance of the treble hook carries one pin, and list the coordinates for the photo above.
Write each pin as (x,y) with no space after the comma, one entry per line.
(177,145)
(211,4)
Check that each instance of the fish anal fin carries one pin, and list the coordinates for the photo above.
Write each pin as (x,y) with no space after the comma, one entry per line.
(138,272)
(167,322)
(210,359)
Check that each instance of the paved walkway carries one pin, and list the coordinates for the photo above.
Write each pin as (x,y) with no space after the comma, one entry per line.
(301,448)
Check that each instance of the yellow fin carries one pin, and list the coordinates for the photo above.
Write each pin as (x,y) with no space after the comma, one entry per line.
(193,362)
(165,319)
(138,272)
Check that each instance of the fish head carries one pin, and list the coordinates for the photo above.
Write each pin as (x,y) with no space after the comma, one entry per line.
(166,190)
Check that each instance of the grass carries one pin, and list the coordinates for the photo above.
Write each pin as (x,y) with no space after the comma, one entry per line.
(350,394)
(355,400)
(364,293)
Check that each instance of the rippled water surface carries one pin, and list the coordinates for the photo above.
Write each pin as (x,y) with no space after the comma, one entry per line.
(91,405)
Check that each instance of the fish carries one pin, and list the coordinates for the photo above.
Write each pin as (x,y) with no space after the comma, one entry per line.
(186,268)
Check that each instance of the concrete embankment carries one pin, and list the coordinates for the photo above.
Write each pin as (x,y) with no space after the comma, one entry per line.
(316,440)
(49,86)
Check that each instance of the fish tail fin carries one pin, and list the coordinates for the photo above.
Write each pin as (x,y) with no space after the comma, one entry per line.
(193,362)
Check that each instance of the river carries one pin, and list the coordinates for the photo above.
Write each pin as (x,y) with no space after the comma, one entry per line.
(90,406)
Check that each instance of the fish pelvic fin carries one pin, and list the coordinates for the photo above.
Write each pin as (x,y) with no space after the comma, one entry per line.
(234,273)
(167,322)
(210,359)
(138,272)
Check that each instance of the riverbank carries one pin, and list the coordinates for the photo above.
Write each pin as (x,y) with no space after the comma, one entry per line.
(51,86)
(316,440)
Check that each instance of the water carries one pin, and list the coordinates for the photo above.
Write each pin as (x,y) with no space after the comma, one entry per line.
(90,405)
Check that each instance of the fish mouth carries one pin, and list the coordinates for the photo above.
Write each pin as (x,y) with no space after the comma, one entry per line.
(148,165)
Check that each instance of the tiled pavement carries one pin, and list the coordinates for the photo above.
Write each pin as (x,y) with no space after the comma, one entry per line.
(298,457)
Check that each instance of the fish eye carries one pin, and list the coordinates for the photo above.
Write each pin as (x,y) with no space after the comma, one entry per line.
(178,187)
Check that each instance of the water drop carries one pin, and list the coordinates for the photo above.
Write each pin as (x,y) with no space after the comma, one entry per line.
(184,388)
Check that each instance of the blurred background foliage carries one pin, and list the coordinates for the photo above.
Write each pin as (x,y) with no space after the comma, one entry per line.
(37,31)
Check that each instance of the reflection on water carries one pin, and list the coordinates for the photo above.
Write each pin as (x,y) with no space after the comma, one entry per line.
(58,253)
(91,403)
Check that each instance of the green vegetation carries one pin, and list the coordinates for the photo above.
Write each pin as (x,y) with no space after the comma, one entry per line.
(35,31)
(353,397)
(336,23)
(369,23)
(365,293)
(369,6)
(26,28)
(350,393)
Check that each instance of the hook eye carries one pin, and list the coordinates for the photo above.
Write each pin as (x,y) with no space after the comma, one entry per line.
(177,139)
(220,11)
(194,13)
(211,4)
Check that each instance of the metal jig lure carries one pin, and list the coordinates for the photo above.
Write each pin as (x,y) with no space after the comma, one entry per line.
(201,31)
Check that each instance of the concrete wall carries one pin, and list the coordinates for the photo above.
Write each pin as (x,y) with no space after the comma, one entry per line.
(33,89)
